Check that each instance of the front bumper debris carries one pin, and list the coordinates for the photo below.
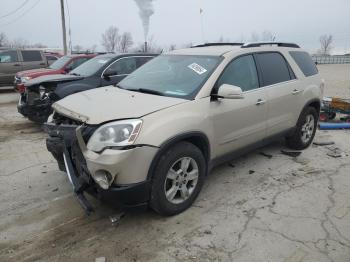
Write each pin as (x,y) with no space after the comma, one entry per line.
(36,109)
(62,143)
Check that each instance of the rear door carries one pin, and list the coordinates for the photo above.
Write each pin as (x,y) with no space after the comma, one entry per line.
(9,65)
(33,59)
(282,91)
(240,122)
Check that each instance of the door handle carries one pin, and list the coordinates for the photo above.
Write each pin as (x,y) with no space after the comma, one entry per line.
(16,65)
(296,91)
(260,102)
(42,64)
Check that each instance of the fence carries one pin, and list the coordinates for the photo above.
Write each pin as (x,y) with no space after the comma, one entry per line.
(334,59)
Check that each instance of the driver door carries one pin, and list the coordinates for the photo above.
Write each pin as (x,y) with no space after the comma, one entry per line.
(240,122)
(118,70)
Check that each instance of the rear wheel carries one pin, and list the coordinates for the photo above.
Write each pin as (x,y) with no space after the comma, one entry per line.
(305,130)
(178,179)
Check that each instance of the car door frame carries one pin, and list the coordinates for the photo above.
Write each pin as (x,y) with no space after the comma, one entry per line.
(121,76)
(277,126)
(221,152)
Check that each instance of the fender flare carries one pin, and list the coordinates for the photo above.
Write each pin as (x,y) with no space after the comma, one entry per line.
(187,136)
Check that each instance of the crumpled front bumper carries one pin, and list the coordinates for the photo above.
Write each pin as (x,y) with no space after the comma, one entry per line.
(38,110)
(63,144)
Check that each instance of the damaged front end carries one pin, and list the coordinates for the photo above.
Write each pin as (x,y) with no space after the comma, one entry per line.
(35,103)
(65,137)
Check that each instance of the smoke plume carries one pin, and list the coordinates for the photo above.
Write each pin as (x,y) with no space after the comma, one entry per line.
(146,10)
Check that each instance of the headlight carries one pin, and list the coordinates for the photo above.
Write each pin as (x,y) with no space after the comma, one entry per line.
(118,133)
(25,79)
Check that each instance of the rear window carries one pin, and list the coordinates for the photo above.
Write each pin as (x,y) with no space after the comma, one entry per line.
(29,56)
(305,63)
(274,68)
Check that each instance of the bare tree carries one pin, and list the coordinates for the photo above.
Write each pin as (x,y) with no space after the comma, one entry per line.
(254,37)
(19,43)
(326,44)
(125,42)
(3,39)
(78,48)
(110,39)
(93,48)
(172,47)
(267,36)
(38,45)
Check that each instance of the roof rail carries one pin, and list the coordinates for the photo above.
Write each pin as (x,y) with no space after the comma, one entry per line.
(217,44)
(258,44)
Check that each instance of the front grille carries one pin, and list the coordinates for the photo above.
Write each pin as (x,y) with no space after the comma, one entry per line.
(59,119)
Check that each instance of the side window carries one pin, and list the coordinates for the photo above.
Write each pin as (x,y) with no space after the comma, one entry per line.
(77,62)
(51,58)
(31,56)
(240,72)
(274,68)
(124,66)
(305,63)
(142,60)
(8,57)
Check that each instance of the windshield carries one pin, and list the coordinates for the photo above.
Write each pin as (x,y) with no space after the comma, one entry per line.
(172,75)
(59,63)
(91,66)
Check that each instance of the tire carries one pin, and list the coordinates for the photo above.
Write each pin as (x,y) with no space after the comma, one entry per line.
(304,134)
(171,175)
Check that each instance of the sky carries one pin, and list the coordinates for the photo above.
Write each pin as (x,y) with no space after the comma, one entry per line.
(180,22)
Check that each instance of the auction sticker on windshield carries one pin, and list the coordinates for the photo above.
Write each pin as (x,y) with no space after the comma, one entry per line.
(197,68)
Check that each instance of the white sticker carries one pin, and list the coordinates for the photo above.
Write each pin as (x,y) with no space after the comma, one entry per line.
(197,68)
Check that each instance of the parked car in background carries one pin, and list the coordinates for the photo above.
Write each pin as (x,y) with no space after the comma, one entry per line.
(153,140)
(15,60)
(52,57)
(63,65)
(103,70)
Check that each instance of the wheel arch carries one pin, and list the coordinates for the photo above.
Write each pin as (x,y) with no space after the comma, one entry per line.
(196,138)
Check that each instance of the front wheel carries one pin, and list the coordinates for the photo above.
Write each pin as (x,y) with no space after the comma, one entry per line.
(178,179)
(305,130)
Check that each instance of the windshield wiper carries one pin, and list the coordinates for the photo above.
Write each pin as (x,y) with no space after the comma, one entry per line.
(147,91)
(75,74)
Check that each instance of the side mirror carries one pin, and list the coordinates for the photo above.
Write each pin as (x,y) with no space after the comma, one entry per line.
(230,92)
(68,69)
(109,72)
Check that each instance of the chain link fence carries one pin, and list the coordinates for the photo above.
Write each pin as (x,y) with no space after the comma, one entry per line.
(331,59)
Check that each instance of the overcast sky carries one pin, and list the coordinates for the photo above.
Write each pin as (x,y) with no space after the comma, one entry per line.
(179,22)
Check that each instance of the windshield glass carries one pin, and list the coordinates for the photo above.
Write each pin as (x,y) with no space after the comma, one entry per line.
(172,75)
(91,66)
(59,63)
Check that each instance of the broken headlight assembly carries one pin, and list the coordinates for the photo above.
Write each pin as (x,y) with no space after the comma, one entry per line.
(115,134)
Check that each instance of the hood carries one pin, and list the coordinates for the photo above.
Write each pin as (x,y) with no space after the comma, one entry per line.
(52,78)
(37,72)
(111,103)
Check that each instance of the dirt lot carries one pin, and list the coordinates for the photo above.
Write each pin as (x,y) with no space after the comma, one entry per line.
(252,209)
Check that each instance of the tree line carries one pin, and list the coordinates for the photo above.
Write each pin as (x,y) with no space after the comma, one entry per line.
(114,41)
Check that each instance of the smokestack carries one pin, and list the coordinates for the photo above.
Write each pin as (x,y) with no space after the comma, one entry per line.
(146,47)
(145,12)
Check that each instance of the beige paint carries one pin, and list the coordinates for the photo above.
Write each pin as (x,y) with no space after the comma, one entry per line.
(229,124)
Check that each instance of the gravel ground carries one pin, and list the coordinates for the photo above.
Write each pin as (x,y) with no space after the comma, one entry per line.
(255,208)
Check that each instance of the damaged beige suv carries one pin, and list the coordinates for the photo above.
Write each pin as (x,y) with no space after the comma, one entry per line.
(151,140)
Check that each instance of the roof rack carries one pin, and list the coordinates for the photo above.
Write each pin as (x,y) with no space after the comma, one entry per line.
(258,44)
(217,44)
